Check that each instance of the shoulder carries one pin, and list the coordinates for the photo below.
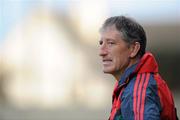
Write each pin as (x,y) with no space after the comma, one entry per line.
(141,96)
(143,80)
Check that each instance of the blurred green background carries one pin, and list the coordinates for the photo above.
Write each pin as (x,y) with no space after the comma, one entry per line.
(49,63)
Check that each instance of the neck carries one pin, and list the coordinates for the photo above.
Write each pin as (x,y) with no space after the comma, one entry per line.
(118,74)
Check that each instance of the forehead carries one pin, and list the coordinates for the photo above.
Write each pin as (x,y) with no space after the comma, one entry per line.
(110,32)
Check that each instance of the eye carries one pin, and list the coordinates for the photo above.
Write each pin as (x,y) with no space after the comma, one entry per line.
(111,43)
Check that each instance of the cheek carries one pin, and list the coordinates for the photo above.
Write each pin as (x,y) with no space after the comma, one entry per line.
(121,59)
(120,56)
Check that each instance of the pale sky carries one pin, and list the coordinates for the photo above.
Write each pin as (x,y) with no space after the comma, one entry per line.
(146,11)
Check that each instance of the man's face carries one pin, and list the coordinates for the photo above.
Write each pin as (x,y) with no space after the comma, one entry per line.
(114,51)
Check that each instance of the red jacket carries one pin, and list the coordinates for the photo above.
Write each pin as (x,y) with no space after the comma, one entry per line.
(141,94)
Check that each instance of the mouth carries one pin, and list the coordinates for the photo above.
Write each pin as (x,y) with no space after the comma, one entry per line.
(106,61)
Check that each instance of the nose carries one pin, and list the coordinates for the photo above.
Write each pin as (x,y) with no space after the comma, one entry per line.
(103,50)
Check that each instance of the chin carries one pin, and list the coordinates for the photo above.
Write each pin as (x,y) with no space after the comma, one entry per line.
(108,71)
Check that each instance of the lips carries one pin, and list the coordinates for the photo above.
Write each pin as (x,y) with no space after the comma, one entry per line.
(107,61)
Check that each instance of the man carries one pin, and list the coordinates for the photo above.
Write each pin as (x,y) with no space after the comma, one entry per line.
(140,93)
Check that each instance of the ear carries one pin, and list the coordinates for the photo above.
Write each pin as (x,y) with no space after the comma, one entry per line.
(134,49)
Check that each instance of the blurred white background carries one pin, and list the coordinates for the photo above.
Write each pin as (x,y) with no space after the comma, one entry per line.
(49,66)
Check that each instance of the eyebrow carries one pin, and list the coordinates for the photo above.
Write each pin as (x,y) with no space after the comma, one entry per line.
(108,39)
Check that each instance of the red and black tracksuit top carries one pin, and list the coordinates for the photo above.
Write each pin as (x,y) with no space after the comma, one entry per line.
(141,94)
